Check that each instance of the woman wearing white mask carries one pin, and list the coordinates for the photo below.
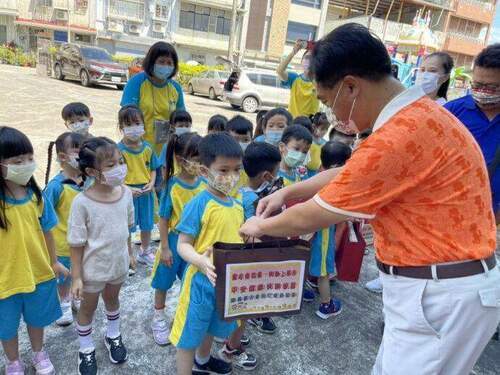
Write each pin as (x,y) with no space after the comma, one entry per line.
(434,76)
(303,100)
(155,91)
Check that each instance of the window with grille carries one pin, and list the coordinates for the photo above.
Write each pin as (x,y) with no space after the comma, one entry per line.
(81,6)
(161,11)
(308,3)
(205,19)
(127,9)
(302,31)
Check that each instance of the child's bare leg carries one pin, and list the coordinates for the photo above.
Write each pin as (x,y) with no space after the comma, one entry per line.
(324,289)
(63,290)
(204,349)
(145,240)
(185,361)
(235,338)
(110,295)
(160,298)
(36,338)
(87,308)
(11,349)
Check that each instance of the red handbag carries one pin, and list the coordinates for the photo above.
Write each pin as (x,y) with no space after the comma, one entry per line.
(349,253)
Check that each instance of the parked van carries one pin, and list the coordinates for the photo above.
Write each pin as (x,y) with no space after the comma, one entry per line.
(250,89)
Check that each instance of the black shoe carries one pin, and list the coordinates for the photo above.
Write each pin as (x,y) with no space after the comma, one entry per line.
(116,349)
(265,325)
(245,340)
(214,366)
(87,364)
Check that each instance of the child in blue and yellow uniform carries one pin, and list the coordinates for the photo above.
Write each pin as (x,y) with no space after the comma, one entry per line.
(27,281)
(321,265)
(273,125)
(320,127)
(240,128)
(294,146)
(209,217)
(141,174)
(180,189)
(261,162)
(61,191)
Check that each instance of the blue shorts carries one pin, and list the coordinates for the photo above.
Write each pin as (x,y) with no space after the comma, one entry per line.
(144,209)
(322,253)
(196,314)
(38,308)
(66,262)
(163,275)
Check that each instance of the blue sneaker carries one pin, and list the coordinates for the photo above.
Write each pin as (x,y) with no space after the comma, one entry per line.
(308,295)
(326,310)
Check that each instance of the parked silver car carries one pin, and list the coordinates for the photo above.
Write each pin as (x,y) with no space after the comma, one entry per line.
(250,89)
(210,83)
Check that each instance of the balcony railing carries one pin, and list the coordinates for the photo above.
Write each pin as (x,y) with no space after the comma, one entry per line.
(488,6)
(468,38)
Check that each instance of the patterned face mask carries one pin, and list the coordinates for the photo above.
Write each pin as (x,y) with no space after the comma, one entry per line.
(347,127)
(192,168)
(224,184)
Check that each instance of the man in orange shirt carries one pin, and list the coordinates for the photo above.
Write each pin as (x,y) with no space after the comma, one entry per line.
(420,178)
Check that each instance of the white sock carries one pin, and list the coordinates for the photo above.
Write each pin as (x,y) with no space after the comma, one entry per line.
(159,314)
(113,330)
(85,337)
(201,360)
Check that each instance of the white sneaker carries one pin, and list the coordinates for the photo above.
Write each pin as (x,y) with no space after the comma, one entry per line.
(160,332)
(136,237)
(374,285)
(75,304)
(155,233)
(67,315)
(146,258)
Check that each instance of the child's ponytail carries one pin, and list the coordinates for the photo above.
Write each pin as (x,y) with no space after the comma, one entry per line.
(49,161)
(169,158)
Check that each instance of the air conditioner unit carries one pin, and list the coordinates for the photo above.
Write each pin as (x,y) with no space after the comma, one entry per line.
(115,26)
(134,29)
(60,15)
(158,27)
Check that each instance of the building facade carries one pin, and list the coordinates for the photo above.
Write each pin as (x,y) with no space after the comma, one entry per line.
(461,27)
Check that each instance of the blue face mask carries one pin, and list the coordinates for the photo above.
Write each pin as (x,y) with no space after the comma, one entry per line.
(163,71)
(274,136)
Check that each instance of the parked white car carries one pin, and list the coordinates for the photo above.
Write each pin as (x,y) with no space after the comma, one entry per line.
(210,83)
(250,89)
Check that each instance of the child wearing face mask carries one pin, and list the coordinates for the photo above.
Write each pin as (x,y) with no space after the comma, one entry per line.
(179,189)
(77,118)
(211,216)
(294,146)
(320,127)
(29,264)
(273,124)
(261,162)
(61,191)
(98,232)
(142,164)
(321,264)
(241,129)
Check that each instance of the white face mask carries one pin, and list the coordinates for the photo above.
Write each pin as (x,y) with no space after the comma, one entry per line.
(115,176)
(181,131)
(134,132)
(428,81)
(80,127)
(20,173)
(73,161)
(347,127)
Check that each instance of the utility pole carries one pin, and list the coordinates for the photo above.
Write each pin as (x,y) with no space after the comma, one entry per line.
(69,23)
(232,34)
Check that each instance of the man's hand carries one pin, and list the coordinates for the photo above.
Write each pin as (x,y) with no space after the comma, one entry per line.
(207,267)
(77,289)
(166,257)
(60,270)
(251,228)
(270,204)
